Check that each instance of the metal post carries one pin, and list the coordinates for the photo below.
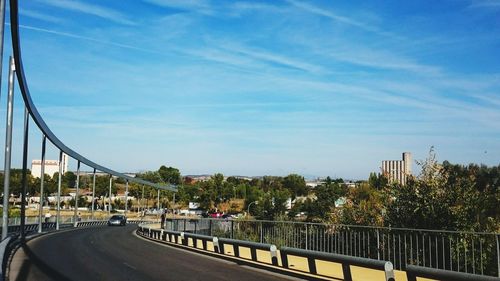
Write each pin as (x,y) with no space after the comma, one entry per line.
(8,144)
(42,175)
(378,244)
(498,255)
(2,27)
(261,232)
(93,194)
(142,199)
(307,238)
(158,204)
(126,197)
(58,214)
(75,214)
(173,211)
(110,183)
(25,172)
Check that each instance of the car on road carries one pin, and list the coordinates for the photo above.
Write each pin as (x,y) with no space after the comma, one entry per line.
(117,220)
(215,215)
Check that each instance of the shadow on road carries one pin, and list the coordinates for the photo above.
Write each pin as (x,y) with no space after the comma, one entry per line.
(34,268)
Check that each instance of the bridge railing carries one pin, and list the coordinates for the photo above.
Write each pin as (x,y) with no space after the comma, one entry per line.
(31,115)
(469,252)
(270,255)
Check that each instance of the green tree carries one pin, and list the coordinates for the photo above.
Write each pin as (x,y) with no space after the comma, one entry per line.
(188,192)
(272,204)
(69,179)
(151,176)
(241,190)
(216,184)
(170,175)
(378,181)
(326,195)
(102,186)
(448,196)
(296,184)
(364,206)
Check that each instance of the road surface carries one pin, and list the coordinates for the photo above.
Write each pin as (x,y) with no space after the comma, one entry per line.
(115,253)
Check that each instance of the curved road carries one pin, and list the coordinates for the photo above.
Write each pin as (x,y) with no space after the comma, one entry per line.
(115,253)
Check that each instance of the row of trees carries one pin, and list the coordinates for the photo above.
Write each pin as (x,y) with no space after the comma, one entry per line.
(443,196)
(50,183)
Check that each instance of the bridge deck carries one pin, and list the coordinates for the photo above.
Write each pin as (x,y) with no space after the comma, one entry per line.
(114,253)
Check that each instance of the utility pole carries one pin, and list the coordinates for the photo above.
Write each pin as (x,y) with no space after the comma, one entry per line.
(8,148)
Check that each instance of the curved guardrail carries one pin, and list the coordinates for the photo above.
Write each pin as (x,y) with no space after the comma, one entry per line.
(280,258)
(273,257)
(345,261)
(413,271)
(37,118)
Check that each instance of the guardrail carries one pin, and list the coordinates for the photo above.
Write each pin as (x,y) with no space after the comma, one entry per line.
(412,272)
(203,238)
(277,258)
(5,249)
(253,246)
(476,253)
(345,261)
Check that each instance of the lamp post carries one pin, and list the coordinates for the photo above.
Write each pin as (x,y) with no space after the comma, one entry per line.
(248,208)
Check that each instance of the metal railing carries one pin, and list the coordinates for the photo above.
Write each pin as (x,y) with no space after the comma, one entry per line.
(277,258)
(412,272)
(469,252)
(16,70)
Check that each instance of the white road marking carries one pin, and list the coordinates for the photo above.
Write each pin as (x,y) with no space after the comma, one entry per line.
(128,265)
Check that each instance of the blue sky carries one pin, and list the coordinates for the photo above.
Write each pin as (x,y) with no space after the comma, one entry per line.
(265,87)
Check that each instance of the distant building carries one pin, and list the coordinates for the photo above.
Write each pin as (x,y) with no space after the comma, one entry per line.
(398,170)
(314,183)
(51,166)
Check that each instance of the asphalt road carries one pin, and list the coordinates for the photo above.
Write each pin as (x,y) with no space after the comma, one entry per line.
(114,253)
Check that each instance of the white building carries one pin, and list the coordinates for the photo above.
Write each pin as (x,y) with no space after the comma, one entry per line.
(51,166)
(398,170)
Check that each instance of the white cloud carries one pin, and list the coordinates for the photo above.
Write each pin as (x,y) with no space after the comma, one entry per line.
(40,16)
(239,8)
(271,57)
(70,35)
(94,10)
(485,4)
(382,60)
(342,19)
(199,6)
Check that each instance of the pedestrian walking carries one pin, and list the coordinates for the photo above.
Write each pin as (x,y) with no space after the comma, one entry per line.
(162,219)
(47,216)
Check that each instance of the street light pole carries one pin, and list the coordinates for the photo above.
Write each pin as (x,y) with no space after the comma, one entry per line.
(8,143)
(109,201)
(248,208)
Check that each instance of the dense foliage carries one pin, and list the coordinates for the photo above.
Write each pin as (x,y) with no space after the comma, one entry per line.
(443,196)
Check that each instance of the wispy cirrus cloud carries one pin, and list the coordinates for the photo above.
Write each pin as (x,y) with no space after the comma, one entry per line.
(239,8)
(305,6)
(75,36)
(383,60)
(40,16)
(246,57)
(485,4)
(271,57)
(199,6)
(89,9)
